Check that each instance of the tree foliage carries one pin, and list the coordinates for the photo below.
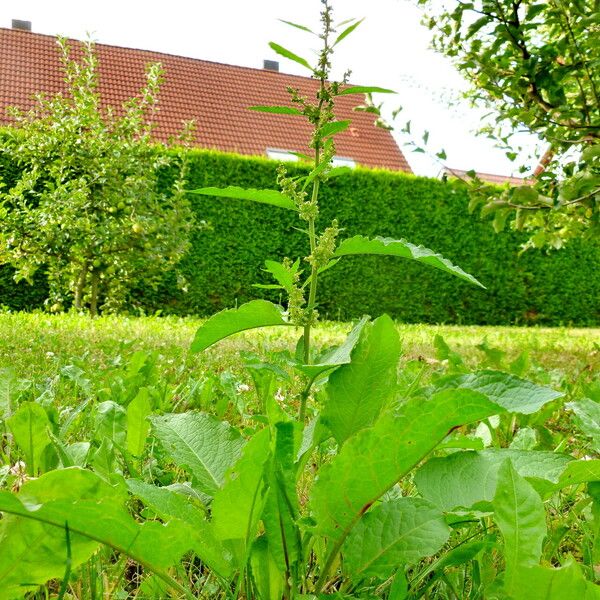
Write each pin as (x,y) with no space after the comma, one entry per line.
(86,207)
(536,65)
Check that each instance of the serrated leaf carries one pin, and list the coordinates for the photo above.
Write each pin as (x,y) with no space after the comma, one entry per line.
(276,110)
(520,516)
(365,89)
(29,425)
(347,31)
(201,444)
(95,515)
(289,55)
(272,197)
(403,249)
(468,480)
(254,314)
(393,534)
(283,276)
(512,393)
(358,391)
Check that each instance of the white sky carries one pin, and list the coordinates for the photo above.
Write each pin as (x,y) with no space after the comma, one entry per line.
(390,49)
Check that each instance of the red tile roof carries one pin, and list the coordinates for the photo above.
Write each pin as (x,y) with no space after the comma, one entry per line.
(214,95)
(487,177)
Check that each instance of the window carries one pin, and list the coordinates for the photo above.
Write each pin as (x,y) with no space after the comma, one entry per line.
(342,161)
(282,155)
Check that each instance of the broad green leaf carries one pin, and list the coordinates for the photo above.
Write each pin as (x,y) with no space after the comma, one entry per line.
(587,417)
(254,314)
(579,471)
(266,575)
(29,426)
(272,197)
(391,535)
(512,393)
(110,422)
(347,31)
(545,583)
(374,459)
(290,55)
(403,249)
(201,444)
(172,505)
(333,128)
(365,89)
(237,506)
(339,355)
(468,480)
(137,422)
(520,516)
(276,110)
(281,506)
(33,537)
(358,391)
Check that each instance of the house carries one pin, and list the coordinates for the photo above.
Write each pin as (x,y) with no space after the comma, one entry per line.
(447,172)
(214,95)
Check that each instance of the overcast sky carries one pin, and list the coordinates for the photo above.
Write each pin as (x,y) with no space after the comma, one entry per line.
(390,49)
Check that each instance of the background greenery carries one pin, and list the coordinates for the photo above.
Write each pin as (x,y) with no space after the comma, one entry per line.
(233,237)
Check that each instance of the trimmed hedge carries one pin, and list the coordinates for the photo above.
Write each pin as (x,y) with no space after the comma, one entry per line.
(234,237)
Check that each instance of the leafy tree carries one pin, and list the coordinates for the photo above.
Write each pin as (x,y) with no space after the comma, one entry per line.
(86,206)
(536,65)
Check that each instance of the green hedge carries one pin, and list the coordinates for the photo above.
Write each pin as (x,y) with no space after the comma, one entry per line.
(234,237)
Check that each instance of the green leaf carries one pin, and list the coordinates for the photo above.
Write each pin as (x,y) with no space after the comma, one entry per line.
(29,426)
(357,392)
(137,423)
(283,275)
(10,387)
(374,459)
(337,356)
(237,506)
(257,313)
(110,422)
(512,393)
(289,54)
(365,89)
(545,583)
(172,505)
(265,572)
(468,480)
(347,31)
(403,249)
(281,507)
(201,444)
(32,530)
(272,197)
(391,535)
(276,110)
(297,26)
(520,516)
(333,128)
(586,415)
